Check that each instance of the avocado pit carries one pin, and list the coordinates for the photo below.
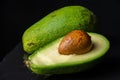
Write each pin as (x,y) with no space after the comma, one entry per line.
(75,42)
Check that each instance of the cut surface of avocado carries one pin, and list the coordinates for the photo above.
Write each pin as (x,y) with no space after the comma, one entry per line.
(49,58)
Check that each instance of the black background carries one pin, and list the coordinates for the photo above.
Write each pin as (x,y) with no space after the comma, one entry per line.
(17,16)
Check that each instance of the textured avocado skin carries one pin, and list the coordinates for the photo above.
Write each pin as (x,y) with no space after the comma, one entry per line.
(57,24)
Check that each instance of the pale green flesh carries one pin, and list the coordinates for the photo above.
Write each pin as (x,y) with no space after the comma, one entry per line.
(49,55)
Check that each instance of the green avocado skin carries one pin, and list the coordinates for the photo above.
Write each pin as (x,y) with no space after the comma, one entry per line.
(60,69)
(57,24)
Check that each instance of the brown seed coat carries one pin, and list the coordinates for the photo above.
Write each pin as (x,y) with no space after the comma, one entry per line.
(75,42)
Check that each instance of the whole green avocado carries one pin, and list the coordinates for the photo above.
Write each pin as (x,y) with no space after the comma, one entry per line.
(57,24)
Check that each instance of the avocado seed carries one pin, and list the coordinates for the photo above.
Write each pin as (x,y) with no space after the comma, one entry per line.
(75,42)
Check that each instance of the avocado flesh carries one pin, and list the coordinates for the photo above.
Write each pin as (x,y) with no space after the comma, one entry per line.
(57,24)
(48,61)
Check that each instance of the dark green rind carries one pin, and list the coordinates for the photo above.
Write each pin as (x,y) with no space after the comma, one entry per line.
(63,69)
(69,67)
(57,24)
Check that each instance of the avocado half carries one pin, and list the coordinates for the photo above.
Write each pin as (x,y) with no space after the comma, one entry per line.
(47,60)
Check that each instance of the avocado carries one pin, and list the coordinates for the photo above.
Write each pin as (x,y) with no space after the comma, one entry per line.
(47,60)
(57,24)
